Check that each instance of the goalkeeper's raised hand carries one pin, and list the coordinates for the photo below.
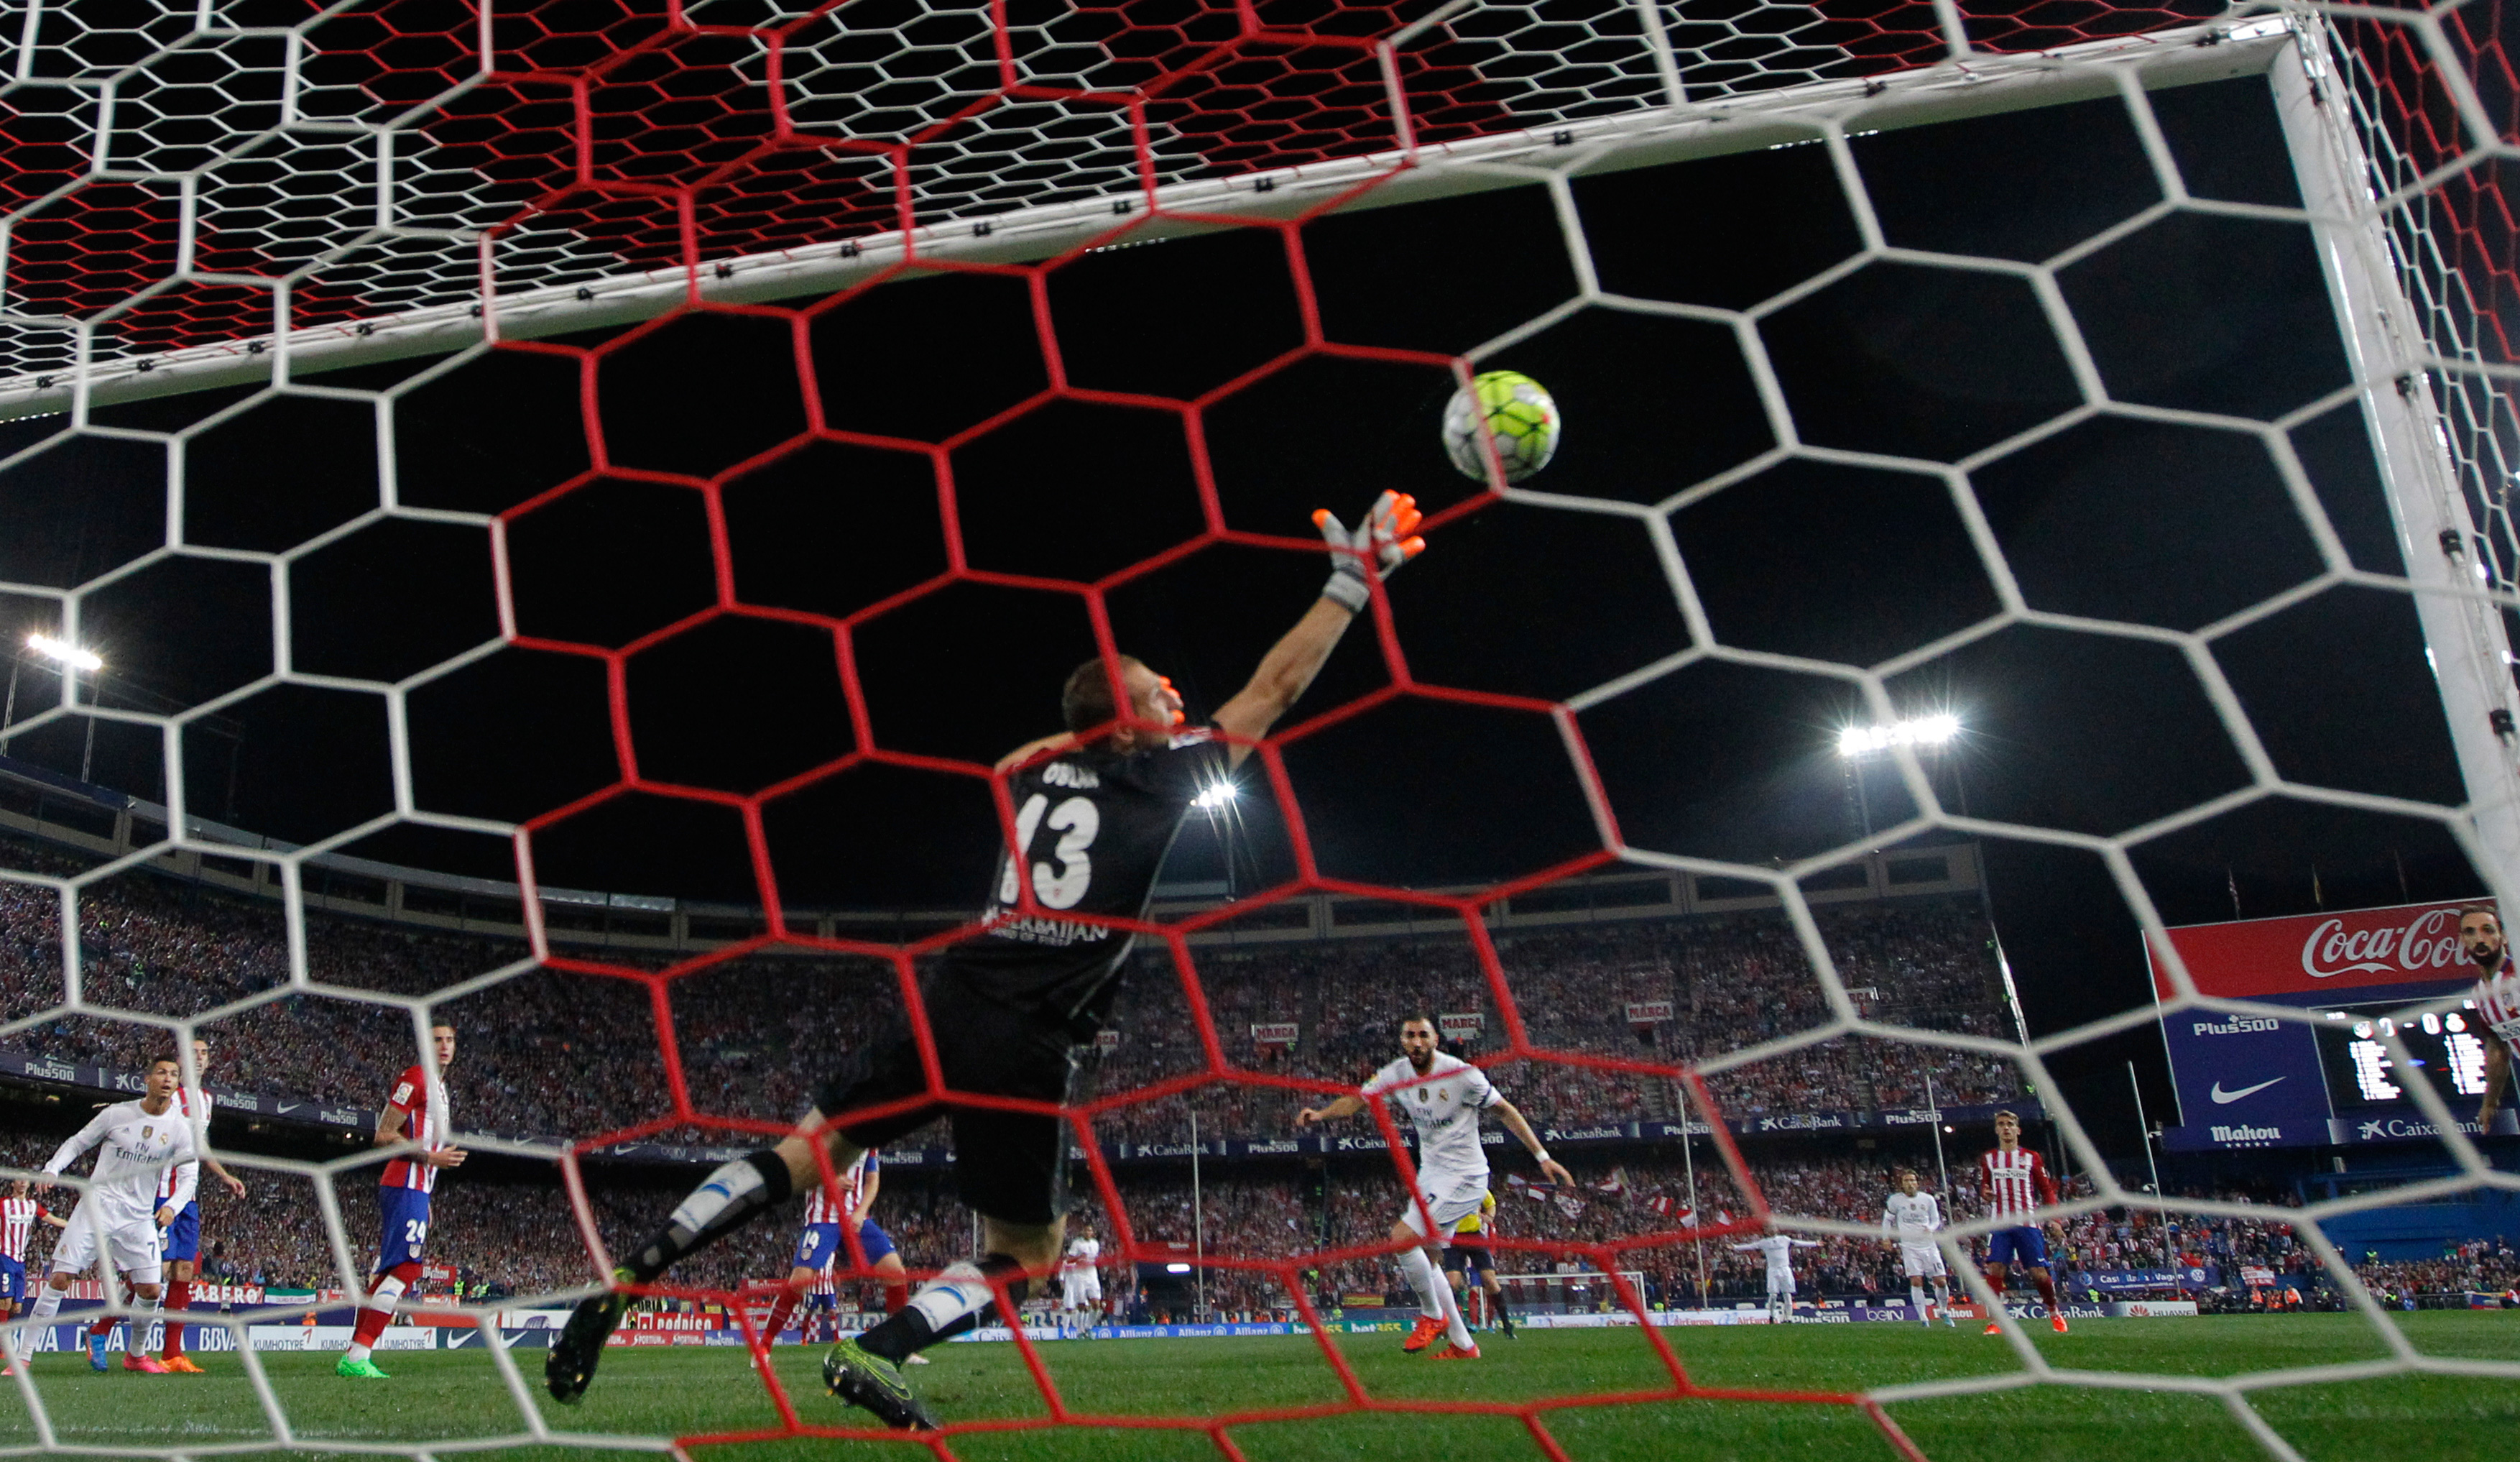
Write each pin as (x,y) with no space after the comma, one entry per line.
(1378,545)
(1386,539)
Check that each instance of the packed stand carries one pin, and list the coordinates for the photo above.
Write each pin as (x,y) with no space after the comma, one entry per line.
(565,1052)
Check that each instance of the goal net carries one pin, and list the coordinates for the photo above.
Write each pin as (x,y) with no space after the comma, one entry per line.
(1571,1293)
(539,522)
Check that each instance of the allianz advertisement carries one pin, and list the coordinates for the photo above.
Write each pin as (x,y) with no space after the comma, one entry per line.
(2327,1077)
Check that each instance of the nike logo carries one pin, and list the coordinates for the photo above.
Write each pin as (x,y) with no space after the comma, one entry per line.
(2222,1097)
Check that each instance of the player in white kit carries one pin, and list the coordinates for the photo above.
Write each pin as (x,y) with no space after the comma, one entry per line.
(117,1222)
(2497,1002)
(1442,1096)
(1912,1218)
(1080,1279)
(1780,1250)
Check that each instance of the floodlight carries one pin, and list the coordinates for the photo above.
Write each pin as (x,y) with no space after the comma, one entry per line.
(65,652)
(1919,731)
(1217,794)
(1175,1269)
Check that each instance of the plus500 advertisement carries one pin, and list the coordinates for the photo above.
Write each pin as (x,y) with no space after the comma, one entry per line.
(2260,1081)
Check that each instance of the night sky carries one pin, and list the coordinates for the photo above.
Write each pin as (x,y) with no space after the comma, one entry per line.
(2172,526)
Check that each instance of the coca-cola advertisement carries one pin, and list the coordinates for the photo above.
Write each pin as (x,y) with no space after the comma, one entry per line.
(2411,944)
(2258,1080)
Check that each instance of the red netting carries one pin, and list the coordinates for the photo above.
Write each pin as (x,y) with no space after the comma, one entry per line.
(2469,238)
(607,136)
(601,135)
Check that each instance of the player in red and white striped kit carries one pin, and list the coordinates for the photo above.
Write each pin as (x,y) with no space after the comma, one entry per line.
(410,1116)
(19,1215)
(2497,1001)
(842,1208)
(2013,1182)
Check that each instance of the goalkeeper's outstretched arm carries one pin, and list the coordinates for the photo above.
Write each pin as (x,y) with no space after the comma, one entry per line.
(1378,547)
(1373,551)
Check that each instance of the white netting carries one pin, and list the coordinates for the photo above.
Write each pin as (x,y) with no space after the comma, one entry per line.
(197,166)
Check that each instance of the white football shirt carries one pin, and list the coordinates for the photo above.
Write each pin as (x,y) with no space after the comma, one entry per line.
(1081,1253)
(1911,1217)
(1443,1104)
(1780,1250)
(139,1146)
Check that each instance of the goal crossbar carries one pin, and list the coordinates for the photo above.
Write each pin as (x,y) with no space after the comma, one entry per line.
(1980,86)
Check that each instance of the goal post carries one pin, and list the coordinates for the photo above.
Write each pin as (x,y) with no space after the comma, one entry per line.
(2407,366)
(1584,1292)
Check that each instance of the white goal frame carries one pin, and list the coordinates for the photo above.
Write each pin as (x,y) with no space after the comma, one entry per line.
(1677,130)
(1598,1280)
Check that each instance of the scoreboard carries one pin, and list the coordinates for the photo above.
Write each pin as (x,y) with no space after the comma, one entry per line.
(2445,1048)
(2326,1078)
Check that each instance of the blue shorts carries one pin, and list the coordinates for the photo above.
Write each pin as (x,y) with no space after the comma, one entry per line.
(182,1242)
(820,1245)
(405,1232)
(2025,1245)
(13,1281)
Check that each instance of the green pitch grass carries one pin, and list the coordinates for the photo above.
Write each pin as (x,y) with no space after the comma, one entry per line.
(450,1396)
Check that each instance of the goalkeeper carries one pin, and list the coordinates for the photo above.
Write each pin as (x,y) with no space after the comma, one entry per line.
(1096,809)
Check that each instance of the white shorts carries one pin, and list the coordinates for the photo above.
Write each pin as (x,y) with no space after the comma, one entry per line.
(1082,1288)
(1449,1197)
(131,1244)
(1921,1261)
(1781,1281)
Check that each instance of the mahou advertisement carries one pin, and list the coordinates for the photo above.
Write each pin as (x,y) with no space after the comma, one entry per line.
(2258,1080)
(2416,943)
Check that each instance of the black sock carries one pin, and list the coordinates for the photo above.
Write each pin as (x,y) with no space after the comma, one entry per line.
(732,1197)
(1503,1310)
(912,1330)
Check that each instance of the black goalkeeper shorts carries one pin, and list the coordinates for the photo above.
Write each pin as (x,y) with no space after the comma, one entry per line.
(1007,1165)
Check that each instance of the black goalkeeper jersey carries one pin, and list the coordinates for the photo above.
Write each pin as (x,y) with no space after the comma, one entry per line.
(1093,827)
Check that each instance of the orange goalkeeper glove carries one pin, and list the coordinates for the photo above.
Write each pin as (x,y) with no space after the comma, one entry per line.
(1379,545)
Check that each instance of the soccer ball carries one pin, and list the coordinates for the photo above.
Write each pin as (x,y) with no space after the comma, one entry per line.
(1520,415)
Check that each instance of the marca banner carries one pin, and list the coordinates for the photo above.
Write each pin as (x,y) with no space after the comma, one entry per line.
(2317,954)
(1461,1024)
(1648,1012)
(1274,1032)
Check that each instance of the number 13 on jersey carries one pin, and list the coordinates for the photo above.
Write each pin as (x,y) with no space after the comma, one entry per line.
(1075,821)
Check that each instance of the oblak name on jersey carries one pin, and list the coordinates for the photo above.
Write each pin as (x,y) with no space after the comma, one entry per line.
(1092,827)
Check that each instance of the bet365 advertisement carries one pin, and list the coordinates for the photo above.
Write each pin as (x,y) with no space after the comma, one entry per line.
(2268,1082)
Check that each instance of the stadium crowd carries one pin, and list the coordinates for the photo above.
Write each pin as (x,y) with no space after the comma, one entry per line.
(754,1034)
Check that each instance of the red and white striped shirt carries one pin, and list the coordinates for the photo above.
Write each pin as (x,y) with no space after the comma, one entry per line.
(17,1217)
(2015,1183)
(411,1099)
(2498,1004)
(194,1104)
(836,1203)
